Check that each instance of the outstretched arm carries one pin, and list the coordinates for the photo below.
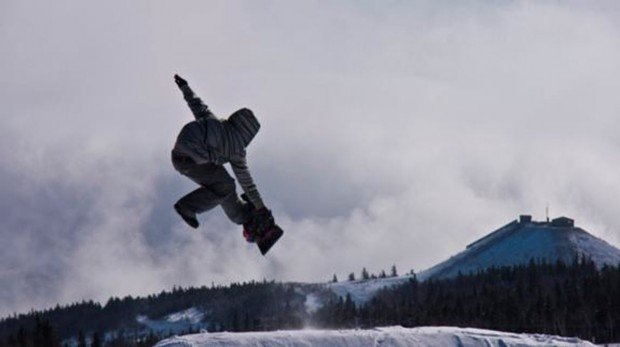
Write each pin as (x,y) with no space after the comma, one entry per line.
(199,108)
(240,168)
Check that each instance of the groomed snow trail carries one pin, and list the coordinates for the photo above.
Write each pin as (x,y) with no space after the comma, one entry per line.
(389,336)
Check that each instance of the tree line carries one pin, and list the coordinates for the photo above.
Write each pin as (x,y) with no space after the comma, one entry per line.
(248,306)
(576,299)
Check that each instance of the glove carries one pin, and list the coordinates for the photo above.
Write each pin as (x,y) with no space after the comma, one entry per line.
(180,81)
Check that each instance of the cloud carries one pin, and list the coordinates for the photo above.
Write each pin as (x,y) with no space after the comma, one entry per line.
(392,134)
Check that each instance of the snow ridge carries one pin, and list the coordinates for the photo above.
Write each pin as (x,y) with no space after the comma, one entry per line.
(388,336)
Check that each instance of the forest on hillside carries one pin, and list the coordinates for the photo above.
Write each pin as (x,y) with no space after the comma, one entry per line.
(265,305)
(574,299)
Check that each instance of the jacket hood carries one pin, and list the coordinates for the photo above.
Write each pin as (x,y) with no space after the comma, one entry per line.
(244,124)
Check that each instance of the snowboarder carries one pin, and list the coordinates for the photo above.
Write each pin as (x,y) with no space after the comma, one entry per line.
(201,149)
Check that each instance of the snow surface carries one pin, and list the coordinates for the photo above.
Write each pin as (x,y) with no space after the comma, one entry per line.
(389,336)
(176,322)
(600,251)
(363,290)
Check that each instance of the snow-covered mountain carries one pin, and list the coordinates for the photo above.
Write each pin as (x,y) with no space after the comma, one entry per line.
(390,336)
(515,243)
(522,240)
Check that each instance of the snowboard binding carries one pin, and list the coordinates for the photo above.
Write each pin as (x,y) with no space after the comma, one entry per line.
(261,228)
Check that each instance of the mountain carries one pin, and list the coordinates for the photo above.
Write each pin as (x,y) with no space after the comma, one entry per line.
(522,240)
(515,243)
(388,336)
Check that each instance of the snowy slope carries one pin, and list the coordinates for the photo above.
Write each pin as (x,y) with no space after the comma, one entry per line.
(390,336)
(175,323)
(363,290)
(600,251)
(515,243)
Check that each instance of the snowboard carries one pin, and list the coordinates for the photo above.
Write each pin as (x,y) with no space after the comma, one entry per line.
(268,239)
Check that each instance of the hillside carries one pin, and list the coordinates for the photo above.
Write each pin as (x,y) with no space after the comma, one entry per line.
(539,297)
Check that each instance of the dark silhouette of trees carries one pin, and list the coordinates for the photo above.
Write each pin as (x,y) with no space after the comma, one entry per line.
(539,297)
(81,339)
(96,340)
(250,306)
(42,334)
(575,299)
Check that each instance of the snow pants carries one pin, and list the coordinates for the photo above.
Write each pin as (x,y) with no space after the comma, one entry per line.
(217,187)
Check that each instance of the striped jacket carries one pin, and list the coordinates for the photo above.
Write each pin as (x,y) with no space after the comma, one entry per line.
(211,140)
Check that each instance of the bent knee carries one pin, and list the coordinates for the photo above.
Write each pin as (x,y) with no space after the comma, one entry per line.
(227,187)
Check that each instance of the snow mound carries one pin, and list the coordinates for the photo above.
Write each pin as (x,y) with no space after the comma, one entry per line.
(389,336)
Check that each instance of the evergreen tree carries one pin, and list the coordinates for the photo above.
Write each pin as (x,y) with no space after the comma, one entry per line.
(393,272)
(81,339)
(96,342)
(365,274)
(351,277)
(538,297)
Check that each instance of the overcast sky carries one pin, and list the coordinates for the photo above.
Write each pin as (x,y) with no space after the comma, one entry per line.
(392,133)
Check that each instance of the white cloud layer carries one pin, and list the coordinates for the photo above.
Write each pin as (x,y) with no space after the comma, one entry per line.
(393,133)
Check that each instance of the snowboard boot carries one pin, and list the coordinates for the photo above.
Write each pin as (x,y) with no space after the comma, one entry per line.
(250,232)
(190,219)
(248,235)
(260,228)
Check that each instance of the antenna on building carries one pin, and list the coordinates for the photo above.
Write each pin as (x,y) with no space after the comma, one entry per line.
(547,212)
